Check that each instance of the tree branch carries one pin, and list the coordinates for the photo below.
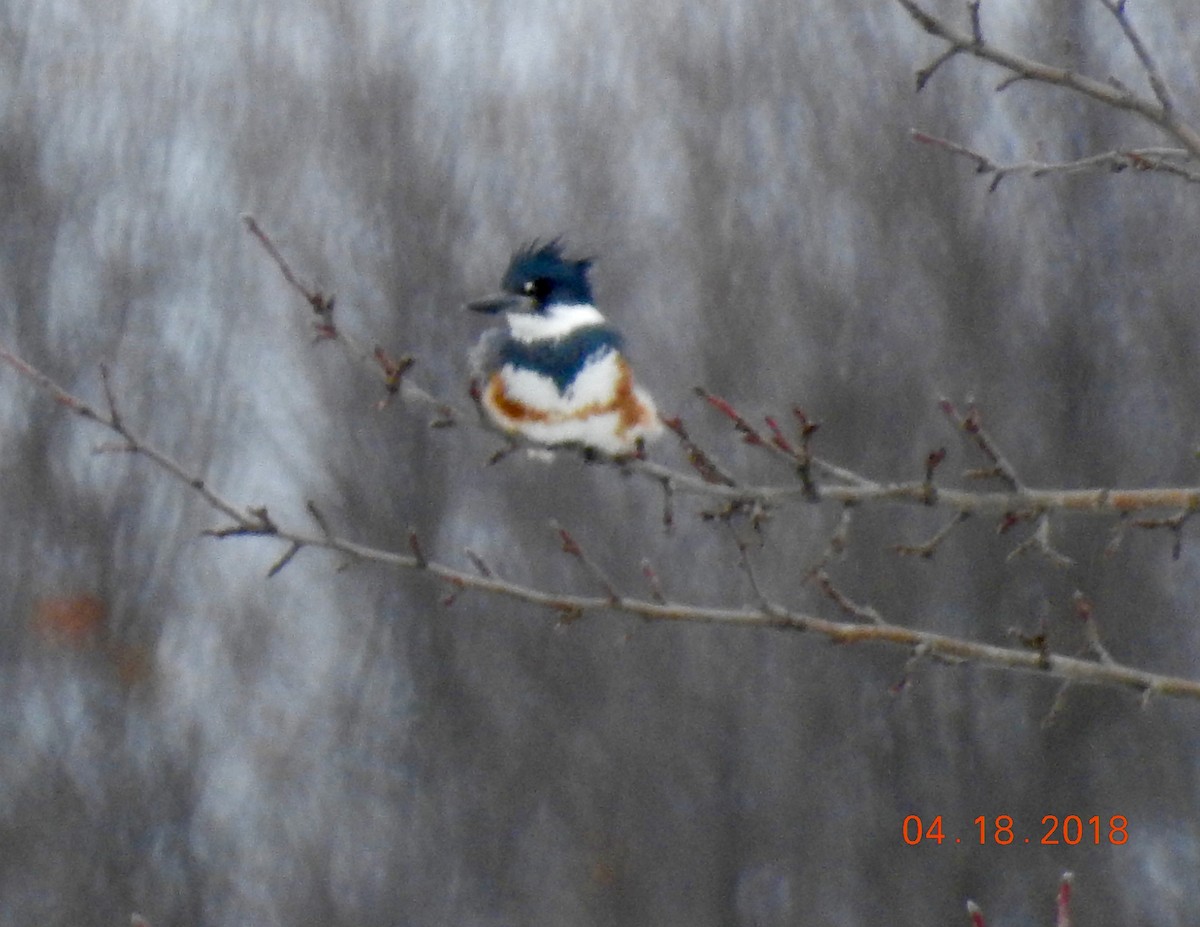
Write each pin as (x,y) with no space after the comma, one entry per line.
(711,480)
(867,628)
(390,371)
(1160,160)
(1157,84)
(1159,111)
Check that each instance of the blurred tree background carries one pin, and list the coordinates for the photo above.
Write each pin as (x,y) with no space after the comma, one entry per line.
(188,739)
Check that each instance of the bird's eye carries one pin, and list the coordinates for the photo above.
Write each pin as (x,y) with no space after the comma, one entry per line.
(538,288)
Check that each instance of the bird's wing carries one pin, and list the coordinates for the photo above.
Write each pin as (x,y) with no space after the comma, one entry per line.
(486,357)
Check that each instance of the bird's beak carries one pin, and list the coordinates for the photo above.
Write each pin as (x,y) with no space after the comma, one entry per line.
(501,302)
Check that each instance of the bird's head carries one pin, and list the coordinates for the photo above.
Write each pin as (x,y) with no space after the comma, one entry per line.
(540,277)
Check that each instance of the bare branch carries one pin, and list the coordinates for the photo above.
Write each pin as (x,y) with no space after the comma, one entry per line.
(418,551)
(933,460)
(800,457)
(864,613)
(1085,611)
(571,546)
(1158,160)
(838,541)
(777,444)
(1157,84)
(976,26)
(319,518)
(1157,111)
(851,488)
(245,519)
(927,549)
(1057,706)
(927,72)
(655,584)
(1174,523)
(710,472)
(747,566)
(668,515)
(484,568)
(1040,542)
(971,426)
(1094,501)
(283,561)
(867,625)
(910,668)
(391,371)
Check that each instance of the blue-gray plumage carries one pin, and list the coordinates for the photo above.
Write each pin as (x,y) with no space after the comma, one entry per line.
(561,359)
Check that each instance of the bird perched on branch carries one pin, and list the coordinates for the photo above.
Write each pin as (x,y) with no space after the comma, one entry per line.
(555,374)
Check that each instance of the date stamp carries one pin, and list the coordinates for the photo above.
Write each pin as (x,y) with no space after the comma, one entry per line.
(1001,830)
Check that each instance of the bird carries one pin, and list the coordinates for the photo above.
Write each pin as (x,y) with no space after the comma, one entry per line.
(555,373)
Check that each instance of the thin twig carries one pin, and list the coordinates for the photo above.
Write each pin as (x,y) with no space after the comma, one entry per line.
(747,567)
(933,460)
(655,584)
(1157,84)
(482,566)
(1174,523)
(1085,612)
(926,549)
(1148,160)
(971,427)
(319,518)
(800,457)
(391,371)
(418,551)
(910,668)
(1157,111)
(320,304)
(864,613)
(710,472)
(252,521)
(1039,541)
(976,26)
(1057,706)
(777,444)
(838,541)
(572,547)
(925,73)
(278,565)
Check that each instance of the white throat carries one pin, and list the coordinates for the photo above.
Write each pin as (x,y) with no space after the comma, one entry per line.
(558,320)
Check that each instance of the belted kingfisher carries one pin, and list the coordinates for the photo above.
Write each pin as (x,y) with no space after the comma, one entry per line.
(555,374)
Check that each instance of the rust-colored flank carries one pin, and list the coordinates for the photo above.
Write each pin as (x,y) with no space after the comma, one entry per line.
(631,411)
